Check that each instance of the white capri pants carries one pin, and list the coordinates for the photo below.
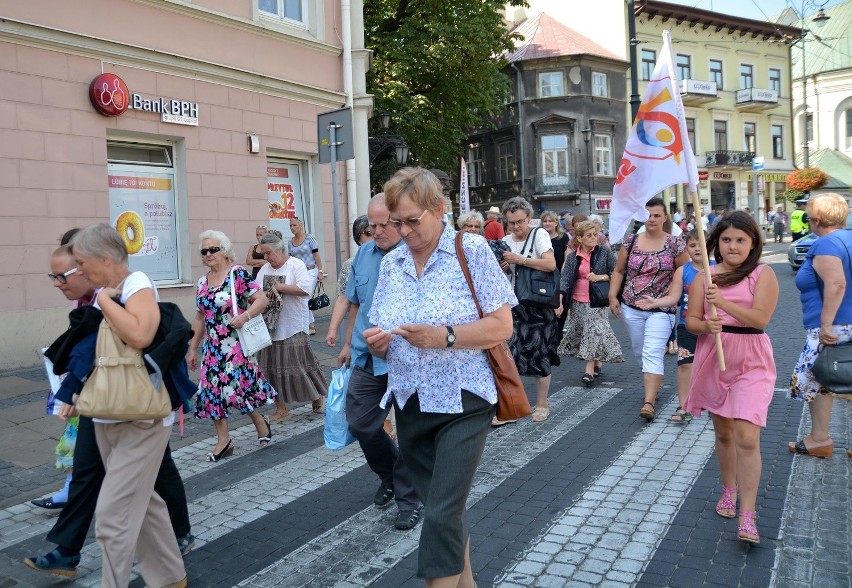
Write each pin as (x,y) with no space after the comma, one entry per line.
(649,333)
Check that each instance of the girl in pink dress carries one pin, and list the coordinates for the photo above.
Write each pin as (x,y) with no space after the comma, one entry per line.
(745,294)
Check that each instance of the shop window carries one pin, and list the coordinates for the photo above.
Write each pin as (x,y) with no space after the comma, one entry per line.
(284,9)
(143,207)
(286,194)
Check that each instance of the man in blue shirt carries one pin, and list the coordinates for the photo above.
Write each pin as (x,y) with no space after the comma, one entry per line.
(369,379)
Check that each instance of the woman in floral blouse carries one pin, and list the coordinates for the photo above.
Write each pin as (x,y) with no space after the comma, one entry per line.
(229,379)
(439,379)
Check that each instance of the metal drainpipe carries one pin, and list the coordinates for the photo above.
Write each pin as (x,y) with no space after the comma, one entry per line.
(635,99)
(351,188)
(521,134)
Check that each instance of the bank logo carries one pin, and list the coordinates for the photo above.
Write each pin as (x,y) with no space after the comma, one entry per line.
(109,94)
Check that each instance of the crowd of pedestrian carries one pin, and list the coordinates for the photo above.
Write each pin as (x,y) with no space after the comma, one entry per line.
(424,303)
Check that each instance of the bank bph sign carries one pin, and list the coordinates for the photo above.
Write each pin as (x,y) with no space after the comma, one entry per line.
(110,96)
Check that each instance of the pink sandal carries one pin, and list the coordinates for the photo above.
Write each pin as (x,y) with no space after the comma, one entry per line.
(727,505)
(748,530)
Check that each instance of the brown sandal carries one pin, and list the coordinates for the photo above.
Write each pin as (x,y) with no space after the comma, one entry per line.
(649,414)
(800,448)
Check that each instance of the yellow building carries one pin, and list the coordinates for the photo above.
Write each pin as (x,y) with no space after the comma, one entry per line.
(735,84)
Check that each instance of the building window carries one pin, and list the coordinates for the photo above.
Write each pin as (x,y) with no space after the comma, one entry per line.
(746,76)
(474,166)
(777,142)
(690,133)
(649,60)
(141,184)
(603,155)
(505,161)
(750,130)
(809,127)
(550,84)
(849,128)
(716,72)
(554,158)
(599,87)
(720,135)
(683,65)
(775,79)
(288,9)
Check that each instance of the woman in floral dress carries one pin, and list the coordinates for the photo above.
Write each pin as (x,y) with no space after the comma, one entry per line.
(228,378)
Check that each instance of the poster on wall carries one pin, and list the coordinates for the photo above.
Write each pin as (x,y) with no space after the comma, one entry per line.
(286,201)
(142,210)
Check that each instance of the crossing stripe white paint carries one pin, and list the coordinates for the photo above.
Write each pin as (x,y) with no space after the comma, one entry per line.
(362,548)
(23,521)
(613,529)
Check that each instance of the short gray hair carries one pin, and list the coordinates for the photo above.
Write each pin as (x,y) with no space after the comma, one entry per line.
(473,215)
(100,241)
(222,239)
(518,203)
(274,241)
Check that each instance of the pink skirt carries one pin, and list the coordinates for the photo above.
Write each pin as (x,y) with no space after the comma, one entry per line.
(744,390)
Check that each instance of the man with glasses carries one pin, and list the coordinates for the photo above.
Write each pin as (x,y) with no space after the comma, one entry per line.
(369,379)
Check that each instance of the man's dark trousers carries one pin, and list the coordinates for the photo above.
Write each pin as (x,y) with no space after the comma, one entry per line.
(75,519)
(366,423)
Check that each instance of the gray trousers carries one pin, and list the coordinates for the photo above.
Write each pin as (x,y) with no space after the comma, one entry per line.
(366,423)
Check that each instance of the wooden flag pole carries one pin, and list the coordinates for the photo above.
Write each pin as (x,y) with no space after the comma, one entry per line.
(699,220)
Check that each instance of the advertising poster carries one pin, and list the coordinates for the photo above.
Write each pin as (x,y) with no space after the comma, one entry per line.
(142,209)
(284,184)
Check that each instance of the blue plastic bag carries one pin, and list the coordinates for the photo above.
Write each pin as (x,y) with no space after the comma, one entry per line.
(336,434)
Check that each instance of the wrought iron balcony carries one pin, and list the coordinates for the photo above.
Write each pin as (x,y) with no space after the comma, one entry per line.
(556,183)
(728,159)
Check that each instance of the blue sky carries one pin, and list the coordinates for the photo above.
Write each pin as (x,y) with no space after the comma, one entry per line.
(753,8)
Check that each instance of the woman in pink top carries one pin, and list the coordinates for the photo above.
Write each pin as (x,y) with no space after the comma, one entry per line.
(745,294)
(589,335)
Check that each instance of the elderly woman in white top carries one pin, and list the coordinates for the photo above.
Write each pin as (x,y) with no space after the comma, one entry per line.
(290,364)
(471,222)
(131,517)
(433,338)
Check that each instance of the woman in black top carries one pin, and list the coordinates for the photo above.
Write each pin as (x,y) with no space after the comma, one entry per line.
(559,238)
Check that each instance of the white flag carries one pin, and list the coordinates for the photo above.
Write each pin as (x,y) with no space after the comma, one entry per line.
(464,193)
(658,153)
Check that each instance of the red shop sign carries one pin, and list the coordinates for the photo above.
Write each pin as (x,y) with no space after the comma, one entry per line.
(109,94)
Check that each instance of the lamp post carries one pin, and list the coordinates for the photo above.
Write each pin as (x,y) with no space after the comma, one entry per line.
(587,135)
(388,147)
(820,20)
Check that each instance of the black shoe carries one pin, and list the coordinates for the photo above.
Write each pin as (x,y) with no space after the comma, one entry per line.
(54,563)
(407,519)
(185,544)
(383,495)
(48,503)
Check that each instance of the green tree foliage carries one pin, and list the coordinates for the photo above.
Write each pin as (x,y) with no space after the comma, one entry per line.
(437,69)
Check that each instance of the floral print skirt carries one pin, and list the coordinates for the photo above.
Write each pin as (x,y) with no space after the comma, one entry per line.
(590,335)
(66,445)
(803,384)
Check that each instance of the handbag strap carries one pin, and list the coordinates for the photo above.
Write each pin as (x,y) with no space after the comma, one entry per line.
(466,270)
(848,261)
(532,249)
(234,307)
(319,289)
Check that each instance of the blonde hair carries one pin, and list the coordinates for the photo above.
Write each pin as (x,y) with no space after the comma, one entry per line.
(829,208)
(549,214)
(419,184)
(583,227)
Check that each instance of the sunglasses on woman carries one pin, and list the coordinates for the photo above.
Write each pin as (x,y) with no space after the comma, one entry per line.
(62,278)
(211,250)
(412,223)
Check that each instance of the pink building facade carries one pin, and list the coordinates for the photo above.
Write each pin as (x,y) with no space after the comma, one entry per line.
(166,118)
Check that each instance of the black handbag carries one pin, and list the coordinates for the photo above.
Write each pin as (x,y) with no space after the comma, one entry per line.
(319,299)
(833,367)
(598,294)
(535,287)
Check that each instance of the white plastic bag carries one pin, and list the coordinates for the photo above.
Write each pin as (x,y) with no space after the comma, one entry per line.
(336,433)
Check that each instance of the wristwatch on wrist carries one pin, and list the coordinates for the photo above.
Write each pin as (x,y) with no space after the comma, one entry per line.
(451,336)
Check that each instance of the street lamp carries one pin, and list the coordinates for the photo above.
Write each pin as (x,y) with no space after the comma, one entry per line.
(386,146)
(820,20)
(587,135)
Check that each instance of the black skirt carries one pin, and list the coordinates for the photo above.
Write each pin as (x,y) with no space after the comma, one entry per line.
(531,343)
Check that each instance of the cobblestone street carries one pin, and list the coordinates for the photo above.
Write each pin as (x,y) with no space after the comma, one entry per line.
(593,496)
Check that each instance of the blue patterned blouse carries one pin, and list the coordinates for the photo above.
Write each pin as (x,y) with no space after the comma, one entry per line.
(440,297)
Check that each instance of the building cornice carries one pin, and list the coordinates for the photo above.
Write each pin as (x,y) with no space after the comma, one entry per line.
(157,61)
